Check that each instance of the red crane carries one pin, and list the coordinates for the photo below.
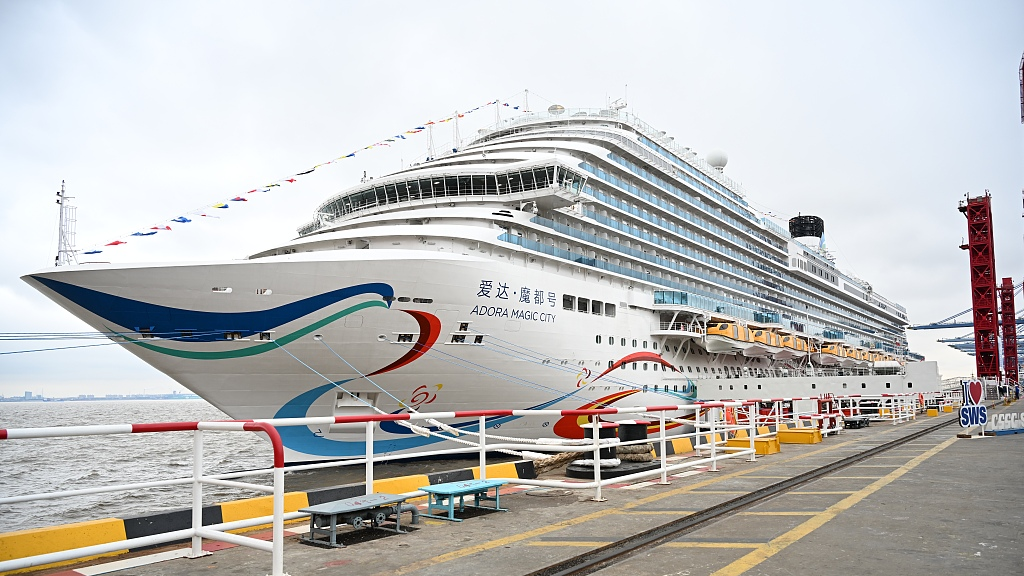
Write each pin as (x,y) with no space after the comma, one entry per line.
(1010,368)
(980,245)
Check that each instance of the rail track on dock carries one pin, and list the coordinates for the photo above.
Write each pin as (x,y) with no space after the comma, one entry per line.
(621,550)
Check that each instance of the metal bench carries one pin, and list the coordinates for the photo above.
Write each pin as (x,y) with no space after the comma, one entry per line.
(857,421)
(441,497)
(370,511)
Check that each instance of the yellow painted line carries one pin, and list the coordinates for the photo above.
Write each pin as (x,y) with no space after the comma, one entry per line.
(579,543)
(851,478)
(778,513)
(782,542)
(712,545)
(547,529)
(823,492)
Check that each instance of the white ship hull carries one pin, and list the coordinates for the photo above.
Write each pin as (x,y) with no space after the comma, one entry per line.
(532,355)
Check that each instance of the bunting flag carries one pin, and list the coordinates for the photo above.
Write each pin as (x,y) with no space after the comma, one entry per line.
(223,204)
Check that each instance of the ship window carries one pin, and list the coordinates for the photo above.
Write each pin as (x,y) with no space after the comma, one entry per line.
(145,332)
(911,384)
(598,338)
(232,335)
(404,299)
(458,338)
(596,307)
(814,386)
(611,363)
(844,384)
(266,336)
(463,326)
(645,365)
(634,343)
(863,385)
(423,300)
(609,309)
(689,368)
(705,369)
(655,344)
(187,333)
(582,305)
(744,386)
(675,388)
(478,339)
(405,337)
(645,344)
(758,386)
(611,340)
(622,342)
(623,365)
(568,302)
(888,385)
(634,365)
(389,298)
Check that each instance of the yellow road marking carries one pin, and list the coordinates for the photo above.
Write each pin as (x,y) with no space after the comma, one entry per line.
(782,542)
(721,492)
(469,550)
(853,477)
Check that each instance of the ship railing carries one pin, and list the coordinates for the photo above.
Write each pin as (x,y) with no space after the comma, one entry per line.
(64,552)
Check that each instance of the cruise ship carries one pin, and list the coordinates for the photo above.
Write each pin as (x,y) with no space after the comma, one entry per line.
(563,259)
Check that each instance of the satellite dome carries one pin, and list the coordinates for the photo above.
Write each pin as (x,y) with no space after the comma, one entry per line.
(717,159)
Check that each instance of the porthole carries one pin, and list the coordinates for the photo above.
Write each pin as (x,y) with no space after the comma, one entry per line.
(863,385)
(888,385)
(911,384)
(423,300)
(814,386)
(598,338)
(622,342)
(634,343)
(645,366)
(634,365)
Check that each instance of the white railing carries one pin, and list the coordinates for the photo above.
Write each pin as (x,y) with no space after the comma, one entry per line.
(705,424)
(197,532)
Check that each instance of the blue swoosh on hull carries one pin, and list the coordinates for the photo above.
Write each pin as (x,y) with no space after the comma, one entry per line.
(167,322)
(302,439)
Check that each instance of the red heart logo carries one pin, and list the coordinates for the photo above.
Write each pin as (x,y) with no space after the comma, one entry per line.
(974,391)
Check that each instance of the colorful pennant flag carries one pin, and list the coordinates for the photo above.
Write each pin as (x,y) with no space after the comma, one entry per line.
(223,205)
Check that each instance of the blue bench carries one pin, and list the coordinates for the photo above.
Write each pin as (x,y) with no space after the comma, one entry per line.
(370,511)
(441,497)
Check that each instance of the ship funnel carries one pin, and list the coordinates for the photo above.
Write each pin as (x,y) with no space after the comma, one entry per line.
(804,226)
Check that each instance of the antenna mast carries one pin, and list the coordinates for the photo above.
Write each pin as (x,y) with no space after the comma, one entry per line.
(66,253)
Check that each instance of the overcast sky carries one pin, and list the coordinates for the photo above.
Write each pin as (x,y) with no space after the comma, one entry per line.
(877,116)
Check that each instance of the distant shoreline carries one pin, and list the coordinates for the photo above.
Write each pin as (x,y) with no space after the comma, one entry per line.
(114,398)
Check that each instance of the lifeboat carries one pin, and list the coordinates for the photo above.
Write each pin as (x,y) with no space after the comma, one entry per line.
(762,343)
(831,353)
(792,347)
(726,338)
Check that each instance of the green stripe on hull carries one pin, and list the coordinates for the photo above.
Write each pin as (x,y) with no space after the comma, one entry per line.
(261,348)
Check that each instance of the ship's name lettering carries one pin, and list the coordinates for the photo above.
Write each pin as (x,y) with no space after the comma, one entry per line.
(512,313)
